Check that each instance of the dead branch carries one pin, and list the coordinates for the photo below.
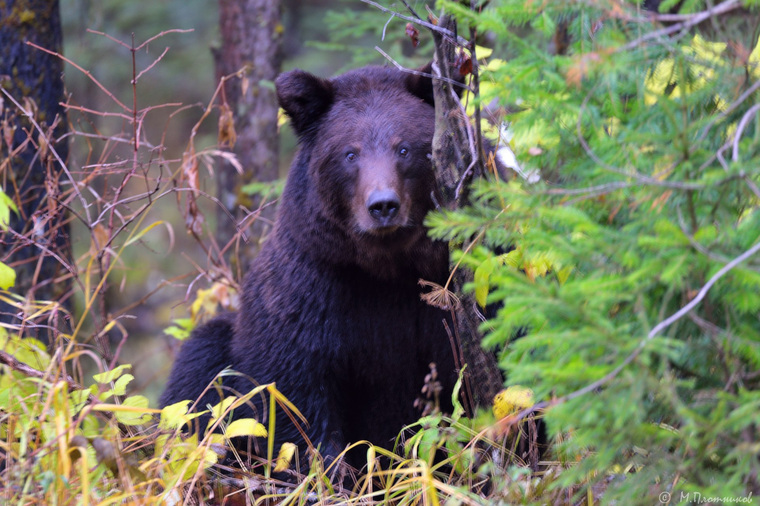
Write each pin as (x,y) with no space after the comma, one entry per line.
(435,28)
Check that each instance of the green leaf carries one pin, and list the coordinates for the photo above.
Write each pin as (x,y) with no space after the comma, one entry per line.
(181,328)
(79,397)
(173,416)
(120,387)
(458,408)
(270,189)
(6,205)
(134,417)
(7,276)
(109,376)
(482,274)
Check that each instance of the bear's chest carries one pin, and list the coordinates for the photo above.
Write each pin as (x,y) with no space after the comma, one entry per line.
(383,330)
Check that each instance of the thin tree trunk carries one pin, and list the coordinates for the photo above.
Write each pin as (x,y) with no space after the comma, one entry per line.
(251,46)
(29,171)
(456,162)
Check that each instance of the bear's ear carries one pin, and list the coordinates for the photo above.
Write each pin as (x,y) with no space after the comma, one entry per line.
(422,86)
(304,97)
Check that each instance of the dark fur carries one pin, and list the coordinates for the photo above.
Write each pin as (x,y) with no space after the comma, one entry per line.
(331,307)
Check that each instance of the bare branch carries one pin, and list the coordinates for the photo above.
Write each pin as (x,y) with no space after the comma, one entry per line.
(460,40)
(165,32)
(728,110)
(411,9)
(418,73)
(85,72)
(10,361)
(64,168)
(155,62)
(740,130)
(124,44)
(691,20)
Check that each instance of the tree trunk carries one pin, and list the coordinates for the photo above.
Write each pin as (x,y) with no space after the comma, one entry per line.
(251,47)
(456,163)
(37,241)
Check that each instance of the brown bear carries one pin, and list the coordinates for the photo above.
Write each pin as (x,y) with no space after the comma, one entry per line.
(331,308)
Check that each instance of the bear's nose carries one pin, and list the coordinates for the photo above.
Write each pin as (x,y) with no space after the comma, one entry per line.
(383,205)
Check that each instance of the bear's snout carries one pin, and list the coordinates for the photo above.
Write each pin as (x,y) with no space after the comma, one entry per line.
(383,206)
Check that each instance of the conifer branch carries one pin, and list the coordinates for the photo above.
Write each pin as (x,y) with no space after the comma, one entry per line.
(651,335)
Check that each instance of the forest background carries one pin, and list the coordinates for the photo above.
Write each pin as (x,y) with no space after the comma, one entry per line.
(187,76)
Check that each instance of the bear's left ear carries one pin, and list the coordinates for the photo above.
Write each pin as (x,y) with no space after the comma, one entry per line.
(304,97)
(422,86)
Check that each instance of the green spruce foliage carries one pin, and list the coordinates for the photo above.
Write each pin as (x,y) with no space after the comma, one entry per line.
(632,265)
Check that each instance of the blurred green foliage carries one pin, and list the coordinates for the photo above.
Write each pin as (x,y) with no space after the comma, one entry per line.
(649,148)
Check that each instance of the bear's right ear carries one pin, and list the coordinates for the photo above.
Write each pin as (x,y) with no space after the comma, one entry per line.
(422,86)
(304,97)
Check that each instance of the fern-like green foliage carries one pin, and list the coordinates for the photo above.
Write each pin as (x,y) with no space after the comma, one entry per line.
(648,144)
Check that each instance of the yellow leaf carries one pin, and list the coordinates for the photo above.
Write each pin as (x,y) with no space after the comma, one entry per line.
(754,60)
(206,301)
(245,427)
(220,410)
(512,400)
(30,351)
(563,274)
(284,457)
(142,232)
(173,415)
(482,274)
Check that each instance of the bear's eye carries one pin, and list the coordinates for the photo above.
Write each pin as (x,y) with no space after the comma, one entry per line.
(350,156)
(403,152)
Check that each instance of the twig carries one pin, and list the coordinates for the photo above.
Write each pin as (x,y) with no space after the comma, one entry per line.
(740,130)
(701,249)
(64,168)
(460,40)
(693,19)
(96,113)
(165,32)
(736,103)
(411,9)
(476,92)
(155,62)
(418,73)
(27,370)
(85,72)
(127,46)
(385,27)
(593,190)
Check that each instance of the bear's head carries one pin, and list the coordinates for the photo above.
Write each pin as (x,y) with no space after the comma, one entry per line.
(366,141)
